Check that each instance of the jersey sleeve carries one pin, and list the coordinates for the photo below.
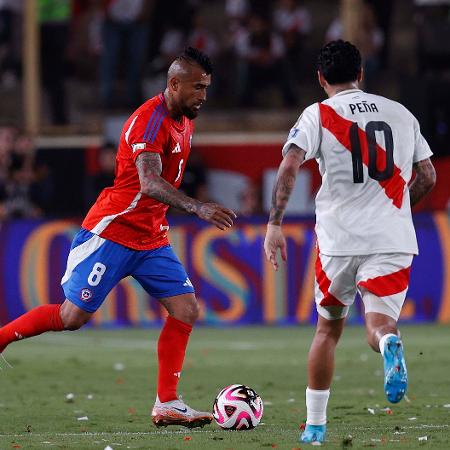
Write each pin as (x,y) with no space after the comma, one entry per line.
(421,148)
(306,133)
(147,133)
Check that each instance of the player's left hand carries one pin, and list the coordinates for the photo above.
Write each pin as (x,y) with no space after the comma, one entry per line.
(216,214)
(275,240)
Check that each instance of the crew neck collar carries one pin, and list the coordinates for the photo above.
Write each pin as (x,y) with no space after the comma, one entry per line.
(347,91)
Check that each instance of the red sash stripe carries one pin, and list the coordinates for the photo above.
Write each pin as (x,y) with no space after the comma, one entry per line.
(390,284)
(324,283)
(340,128)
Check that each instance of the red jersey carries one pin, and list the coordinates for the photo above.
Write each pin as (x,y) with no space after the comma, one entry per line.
(122,213)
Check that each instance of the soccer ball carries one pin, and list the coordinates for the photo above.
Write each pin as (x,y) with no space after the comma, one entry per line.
(238,407)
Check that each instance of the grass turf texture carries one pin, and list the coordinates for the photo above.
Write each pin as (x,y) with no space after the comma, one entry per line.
(35,414)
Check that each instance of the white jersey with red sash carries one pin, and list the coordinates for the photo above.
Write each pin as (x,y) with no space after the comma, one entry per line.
(365,146)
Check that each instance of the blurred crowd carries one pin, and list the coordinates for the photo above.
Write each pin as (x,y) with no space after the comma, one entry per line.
(25,182)
(37,183)
(264,56)
(259,46)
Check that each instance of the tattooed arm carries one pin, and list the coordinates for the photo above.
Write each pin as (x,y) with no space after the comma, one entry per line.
(149,167)
(287,174)
(424,181)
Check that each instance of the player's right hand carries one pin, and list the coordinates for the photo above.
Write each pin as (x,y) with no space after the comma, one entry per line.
(216,214)
(275,240)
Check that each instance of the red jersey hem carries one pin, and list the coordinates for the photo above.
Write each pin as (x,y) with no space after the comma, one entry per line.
(151,246)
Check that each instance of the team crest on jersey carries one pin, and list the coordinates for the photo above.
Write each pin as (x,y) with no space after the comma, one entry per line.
(177,148)
(293,133)
(136,147)
(86,294)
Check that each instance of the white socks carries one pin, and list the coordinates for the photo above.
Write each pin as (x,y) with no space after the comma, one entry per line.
(316,406)
(383,341)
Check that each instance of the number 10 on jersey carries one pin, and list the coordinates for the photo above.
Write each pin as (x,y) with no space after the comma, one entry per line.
(371,141)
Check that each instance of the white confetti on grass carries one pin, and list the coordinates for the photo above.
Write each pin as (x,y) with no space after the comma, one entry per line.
(70,397)
(423,438)
(119,366)
(447,405)
(83,418)
(371,410)
(412,418)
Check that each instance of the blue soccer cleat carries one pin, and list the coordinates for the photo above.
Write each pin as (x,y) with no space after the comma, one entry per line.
(313,433)
(395,373)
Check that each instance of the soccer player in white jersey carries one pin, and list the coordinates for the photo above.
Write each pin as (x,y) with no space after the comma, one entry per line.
(367,147)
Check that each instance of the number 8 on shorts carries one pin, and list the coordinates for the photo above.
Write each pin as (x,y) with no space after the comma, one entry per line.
(96,274)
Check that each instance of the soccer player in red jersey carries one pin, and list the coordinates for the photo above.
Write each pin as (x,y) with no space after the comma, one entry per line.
(125,233)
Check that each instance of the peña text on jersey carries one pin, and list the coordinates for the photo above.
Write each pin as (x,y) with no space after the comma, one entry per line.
(364,106)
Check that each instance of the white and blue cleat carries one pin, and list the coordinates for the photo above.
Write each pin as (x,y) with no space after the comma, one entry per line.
(395,373)
(313,433)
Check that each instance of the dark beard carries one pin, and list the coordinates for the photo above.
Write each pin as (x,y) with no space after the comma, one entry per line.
(189,113)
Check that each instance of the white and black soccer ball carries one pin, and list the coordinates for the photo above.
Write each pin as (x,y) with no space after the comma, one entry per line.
(238,407)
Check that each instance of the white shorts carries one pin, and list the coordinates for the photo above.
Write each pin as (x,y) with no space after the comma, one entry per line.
(381,280)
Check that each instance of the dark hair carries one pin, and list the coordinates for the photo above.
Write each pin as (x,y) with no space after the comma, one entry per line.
(195,56)
(339,62)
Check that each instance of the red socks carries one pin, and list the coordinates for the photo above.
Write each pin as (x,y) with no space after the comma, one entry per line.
(36,321)
(172,345)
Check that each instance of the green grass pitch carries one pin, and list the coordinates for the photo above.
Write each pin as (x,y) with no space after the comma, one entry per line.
(112,374)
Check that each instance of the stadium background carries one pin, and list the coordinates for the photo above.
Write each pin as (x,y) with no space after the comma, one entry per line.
(62,111)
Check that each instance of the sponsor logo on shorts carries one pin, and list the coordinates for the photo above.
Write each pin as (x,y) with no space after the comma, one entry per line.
(86,294)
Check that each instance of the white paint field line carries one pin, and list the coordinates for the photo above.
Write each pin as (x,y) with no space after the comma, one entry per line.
(103,434)
(415,427)
(157,433)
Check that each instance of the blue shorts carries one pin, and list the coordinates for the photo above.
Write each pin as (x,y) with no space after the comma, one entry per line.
(95,265)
